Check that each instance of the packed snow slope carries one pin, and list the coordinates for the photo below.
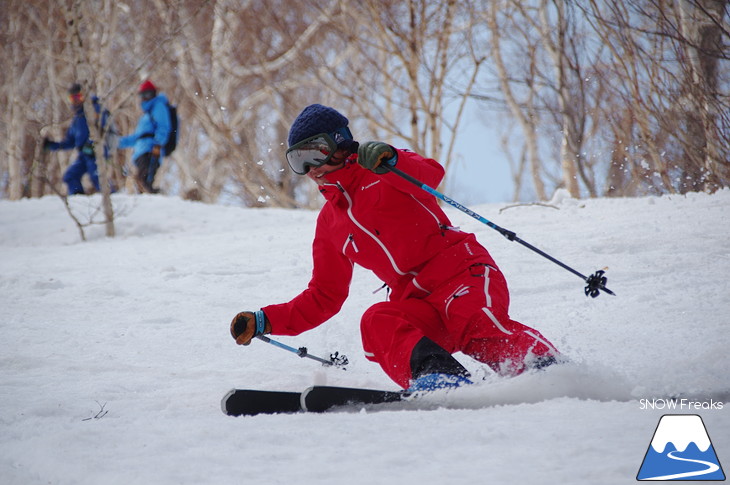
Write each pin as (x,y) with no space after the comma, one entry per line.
(116,351)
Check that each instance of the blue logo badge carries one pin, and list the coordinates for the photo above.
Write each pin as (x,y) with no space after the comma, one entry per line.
(681,450)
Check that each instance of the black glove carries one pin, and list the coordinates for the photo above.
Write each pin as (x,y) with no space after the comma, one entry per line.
(373,154)
(246,325)
(47,144)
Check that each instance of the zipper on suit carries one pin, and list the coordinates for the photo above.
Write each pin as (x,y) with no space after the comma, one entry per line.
(373,236)
(350,241)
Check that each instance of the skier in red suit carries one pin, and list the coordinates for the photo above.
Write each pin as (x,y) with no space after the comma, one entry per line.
(446,292)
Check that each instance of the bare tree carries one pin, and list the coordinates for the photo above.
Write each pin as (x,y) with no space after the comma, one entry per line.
(561,39)
(675,110)
(18,91)
(644,81)
(702,48)
(239,68)
(630,96)
(525,110)
(422,60)
(85,72)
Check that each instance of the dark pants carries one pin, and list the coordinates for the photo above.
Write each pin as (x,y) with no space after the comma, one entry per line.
(72,176)
(147,166)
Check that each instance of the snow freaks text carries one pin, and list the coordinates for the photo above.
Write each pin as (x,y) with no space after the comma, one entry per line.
(680,404)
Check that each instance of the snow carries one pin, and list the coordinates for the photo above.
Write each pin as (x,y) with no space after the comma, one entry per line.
(116,352)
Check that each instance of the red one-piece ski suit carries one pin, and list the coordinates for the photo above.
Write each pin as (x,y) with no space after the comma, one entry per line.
(444,284)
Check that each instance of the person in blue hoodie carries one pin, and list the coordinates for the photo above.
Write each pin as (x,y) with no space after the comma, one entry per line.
(150,136)
(77,136)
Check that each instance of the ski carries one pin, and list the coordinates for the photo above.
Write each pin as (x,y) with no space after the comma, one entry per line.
(250,402)
(318,399)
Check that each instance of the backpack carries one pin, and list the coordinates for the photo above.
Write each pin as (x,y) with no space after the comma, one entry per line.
(172,138)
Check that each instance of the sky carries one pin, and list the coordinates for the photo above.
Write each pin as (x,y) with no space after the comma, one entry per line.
(480,171)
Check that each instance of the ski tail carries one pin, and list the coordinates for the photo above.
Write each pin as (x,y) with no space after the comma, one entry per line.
(250,402)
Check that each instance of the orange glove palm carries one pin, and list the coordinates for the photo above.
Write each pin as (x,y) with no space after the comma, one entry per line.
(246,325)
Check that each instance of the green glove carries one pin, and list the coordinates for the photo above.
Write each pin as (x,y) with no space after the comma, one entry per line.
(373,154)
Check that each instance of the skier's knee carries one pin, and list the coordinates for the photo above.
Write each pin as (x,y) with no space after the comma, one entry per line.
(374,314)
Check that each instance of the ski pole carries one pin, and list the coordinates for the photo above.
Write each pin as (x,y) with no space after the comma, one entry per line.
(335,359)
(595,282)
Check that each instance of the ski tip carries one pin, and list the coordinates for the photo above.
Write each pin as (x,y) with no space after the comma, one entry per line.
(224,401)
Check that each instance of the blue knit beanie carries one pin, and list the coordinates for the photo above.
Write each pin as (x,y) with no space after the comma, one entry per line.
(315,119)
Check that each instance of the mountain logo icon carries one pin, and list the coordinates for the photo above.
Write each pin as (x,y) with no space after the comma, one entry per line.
(681,450)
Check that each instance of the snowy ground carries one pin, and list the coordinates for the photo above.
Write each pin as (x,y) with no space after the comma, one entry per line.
(116,352)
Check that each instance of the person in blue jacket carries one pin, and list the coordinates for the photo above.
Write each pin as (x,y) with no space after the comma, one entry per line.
(77,136)
(150,136)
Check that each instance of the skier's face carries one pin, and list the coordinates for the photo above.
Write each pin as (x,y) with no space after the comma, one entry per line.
(76,100)
(318,174)
(146,96)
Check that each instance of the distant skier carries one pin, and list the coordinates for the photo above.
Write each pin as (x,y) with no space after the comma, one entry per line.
(446,292)
(77,136)
(149,137)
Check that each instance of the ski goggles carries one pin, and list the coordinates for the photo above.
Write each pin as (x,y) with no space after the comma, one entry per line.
(314,151)
(147,95)
(75,98)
